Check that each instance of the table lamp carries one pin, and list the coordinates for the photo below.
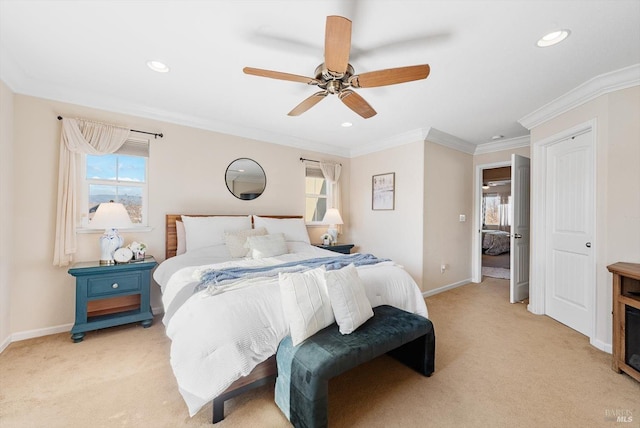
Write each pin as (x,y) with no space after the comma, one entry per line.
(111,216)
(332,218)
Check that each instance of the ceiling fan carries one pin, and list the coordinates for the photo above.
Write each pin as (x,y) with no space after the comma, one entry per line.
(337,76)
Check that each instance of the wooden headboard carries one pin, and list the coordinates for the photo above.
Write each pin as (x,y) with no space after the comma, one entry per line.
(171,234)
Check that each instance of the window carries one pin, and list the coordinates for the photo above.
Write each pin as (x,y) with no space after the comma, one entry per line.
(316,195)
(121,177)
(496,209)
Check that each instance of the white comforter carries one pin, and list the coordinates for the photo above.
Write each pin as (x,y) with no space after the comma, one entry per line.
(218,338)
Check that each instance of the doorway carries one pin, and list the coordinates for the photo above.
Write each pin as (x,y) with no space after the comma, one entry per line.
(501,244)
(495,222)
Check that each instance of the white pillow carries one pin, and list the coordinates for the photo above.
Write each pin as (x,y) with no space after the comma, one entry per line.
(203,232)
(266,246)
(236,240)
(305,303)
(293,229)
(181,247)
(351,307)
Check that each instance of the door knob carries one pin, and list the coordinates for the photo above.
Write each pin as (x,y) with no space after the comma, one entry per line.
(517,236)
(588,244)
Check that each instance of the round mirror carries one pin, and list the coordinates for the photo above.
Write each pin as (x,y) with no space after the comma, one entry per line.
(245,179)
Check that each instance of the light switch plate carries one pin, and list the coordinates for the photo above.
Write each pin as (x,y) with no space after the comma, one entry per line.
(463,218)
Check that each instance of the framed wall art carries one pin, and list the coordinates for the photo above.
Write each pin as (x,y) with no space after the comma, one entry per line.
(383,191)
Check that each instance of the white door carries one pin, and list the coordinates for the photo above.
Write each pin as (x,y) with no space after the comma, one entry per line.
(570,263)
(519,257)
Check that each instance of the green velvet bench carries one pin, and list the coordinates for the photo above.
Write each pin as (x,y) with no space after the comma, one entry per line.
(302,385)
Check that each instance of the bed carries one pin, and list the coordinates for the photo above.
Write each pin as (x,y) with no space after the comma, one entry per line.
(495,242)
(224,335)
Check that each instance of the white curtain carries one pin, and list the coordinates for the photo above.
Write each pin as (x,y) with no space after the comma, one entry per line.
(78,136)
(331,172)
(503,210)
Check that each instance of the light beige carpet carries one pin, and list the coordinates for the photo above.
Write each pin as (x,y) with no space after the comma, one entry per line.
(497,365)
(494,272)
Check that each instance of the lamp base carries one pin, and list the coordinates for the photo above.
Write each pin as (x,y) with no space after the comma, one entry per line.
(109,243)
(333,232)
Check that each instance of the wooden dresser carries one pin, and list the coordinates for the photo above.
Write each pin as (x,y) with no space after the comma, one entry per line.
(626,318)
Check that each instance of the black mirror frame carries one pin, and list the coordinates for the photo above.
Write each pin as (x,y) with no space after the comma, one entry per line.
(264,175)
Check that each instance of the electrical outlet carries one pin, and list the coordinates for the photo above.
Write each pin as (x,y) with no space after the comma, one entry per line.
(443,267)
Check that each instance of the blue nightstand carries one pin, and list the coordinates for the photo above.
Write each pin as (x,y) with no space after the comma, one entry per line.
(107,296)
(337,248)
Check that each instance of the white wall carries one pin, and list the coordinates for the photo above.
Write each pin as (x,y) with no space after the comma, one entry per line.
(393,234)
(617,186)
(186,175)
(448,176)
(6,210)
(500,156)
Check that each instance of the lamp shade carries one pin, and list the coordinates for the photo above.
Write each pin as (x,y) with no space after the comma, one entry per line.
(111,215)
(332,216)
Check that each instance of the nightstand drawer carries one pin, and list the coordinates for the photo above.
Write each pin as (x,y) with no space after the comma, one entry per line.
(114,284)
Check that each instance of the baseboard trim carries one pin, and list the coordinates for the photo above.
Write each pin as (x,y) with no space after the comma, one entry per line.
(445,288)
(39,332)
(606,347)
(5,343)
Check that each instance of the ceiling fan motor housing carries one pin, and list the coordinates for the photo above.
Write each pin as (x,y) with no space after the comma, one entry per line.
(331,81)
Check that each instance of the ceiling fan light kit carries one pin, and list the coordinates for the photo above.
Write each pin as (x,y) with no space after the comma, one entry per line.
(336,76)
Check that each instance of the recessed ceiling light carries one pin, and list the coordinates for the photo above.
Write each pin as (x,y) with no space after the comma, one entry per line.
(158,66)
(553,38)
(347,124)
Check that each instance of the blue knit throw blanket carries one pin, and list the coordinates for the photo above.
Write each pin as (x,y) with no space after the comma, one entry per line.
(214,277)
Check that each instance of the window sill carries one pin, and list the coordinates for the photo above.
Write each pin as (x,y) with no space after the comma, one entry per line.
(132,230)
(316,224)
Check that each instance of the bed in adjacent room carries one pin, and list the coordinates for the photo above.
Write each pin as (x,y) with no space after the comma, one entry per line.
(222,301)
(495,242)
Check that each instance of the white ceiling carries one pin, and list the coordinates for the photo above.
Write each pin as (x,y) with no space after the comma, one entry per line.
(486,72)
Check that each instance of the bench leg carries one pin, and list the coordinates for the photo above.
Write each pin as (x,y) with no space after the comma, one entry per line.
(307,413)
(419,354)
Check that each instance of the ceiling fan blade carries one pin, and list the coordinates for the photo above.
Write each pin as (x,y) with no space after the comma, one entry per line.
(280,75)
(356,103)
(308,103)
(390,76)
(337,44)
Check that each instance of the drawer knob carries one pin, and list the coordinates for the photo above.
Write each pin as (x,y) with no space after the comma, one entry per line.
(114,285)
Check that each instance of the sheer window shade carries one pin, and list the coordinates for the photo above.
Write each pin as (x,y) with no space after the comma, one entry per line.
(313,171)
(134,147)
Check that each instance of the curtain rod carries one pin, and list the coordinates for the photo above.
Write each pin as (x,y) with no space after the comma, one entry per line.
(155,135)
(312,160)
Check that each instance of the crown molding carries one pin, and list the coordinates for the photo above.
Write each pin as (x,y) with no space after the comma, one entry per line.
(448,140)
(591,89)
(391,142)
(497,146)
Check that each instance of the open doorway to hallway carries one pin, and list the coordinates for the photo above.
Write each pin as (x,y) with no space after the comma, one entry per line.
(495,218)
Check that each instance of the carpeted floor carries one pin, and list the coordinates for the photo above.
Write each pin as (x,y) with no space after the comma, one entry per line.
(494,272)
(496,266)
(500,261)
(497,365)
